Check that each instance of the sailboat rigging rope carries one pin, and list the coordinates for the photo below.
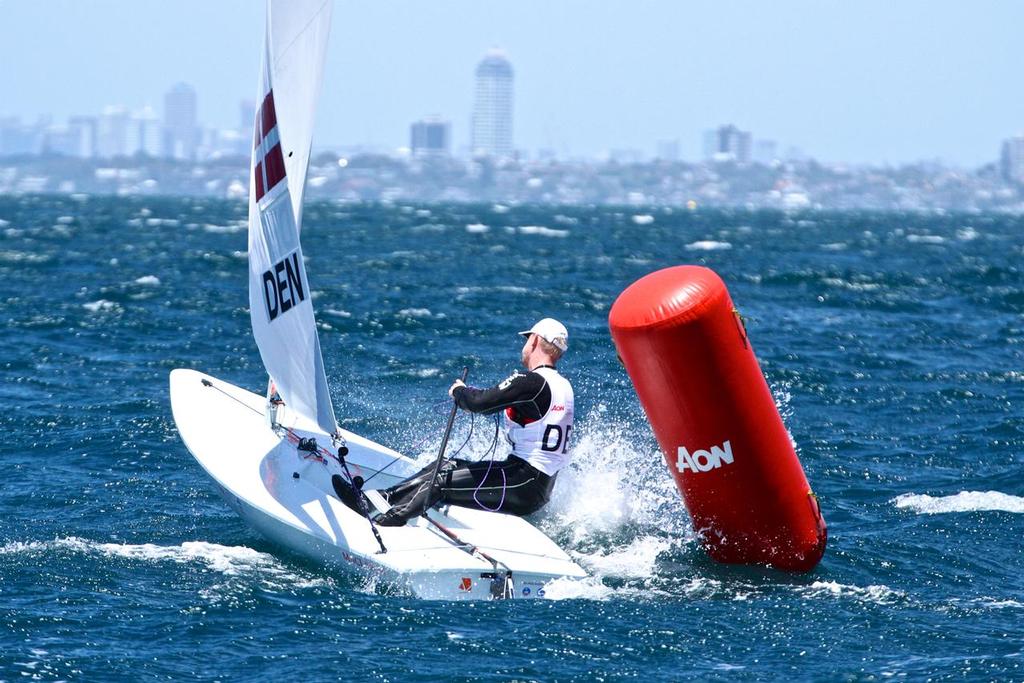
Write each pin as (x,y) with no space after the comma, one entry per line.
(424,440)
(321,452)
(492,451)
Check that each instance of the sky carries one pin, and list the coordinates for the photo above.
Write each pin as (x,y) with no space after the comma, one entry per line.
(864,82)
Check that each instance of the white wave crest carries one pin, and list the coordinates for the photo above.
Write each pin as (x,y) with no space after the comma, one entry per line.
(986,602)
(477,227)
(22,257)
(542,231)
(875,593)
(148,280)
(100,305)
(1000,604)
(852,286)
(635,561)
(418,313)
(225,229)
(337,313)
(589,588)
(643,219)
(926,239)
(227,560)
(965,501)
(593,588)
(708,245)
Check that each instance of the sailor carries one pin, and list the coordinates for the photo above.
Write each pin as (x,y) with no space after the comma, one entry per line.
(538,414)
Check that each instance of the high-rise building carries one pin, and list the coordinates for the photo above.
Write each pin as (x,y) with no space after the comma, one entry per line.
(728,143)
(1011,161)
(112,132)
(430,137)
(144,135)
(18,139)
(181,132)
(84,129)
(63,140)
(492,107)
(765,152)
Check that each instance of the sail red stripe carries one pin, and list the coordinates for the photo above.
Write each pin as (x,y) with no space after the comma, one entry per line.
(258,178)
(268,113)
(273,163)
(275,166)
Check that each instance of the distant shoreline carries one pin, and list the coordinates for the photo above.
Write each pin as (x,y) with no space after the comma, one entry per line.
(781,185)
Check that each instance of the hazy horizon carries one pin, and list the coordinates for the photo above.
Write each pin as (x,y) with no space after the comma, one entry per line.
(871,83)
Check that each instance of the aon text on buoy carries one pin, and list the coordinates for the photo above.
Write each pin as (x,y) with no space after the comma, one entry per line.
(704,461)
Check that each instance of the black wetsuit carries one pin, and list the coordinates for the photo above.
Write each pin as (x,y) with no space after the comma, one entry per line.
(512,486)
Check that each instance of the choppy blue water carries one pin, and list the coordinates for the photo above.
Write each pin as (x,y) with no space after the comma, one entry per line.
(894,344)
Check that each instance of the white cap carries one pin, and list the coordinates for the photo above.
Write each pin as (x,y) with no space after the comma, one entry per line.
(550,330)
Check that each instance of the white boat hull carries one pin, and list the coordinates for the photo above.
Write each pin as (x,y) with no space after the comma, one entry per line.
(287,496)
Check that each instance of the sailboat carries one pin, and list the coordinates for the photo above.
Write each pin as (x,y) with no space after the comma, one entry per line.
(277,458)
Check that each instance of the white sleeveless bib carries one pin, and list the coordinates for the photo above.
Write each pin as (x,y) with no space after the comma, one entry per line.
(545,443)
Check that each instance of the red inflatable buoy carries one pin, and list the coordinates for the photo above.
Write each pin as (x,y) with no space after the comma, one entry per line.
(686,350)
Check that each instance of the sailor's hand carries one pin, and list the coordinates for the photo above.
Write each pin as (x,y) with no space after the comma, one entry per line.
(455,385)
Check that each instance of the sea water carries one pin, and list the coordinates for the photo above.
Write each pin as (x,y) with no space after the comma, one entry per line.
(893,344)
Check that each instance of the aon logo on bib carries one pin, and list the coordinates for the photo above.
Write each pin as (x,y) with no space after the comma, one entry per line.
(704,461)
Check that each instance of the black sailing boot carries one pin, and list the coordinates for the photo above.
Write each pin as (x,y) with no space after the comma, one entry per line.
(390,518)
(350,496)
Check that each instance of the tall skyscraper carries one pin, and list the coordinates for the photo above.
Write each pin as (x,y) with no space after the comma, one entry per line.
(430,137)
(728,143)
(181,132)
(84,128)
(144,134)
(1011,160)
(112,132)
(61,139)
(492,106)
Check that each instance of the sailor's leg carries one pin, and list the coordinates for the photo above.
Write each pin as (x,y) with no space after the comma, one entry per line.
(511,486)
(406,489)
(414,495)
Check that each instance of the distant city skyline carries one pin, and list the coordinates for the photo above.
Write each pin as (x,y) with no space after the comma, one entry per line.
(870,83)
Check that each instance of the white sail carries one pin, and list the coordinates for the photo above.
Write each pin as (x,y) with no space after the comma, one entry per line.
(297,32)
(280,301)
